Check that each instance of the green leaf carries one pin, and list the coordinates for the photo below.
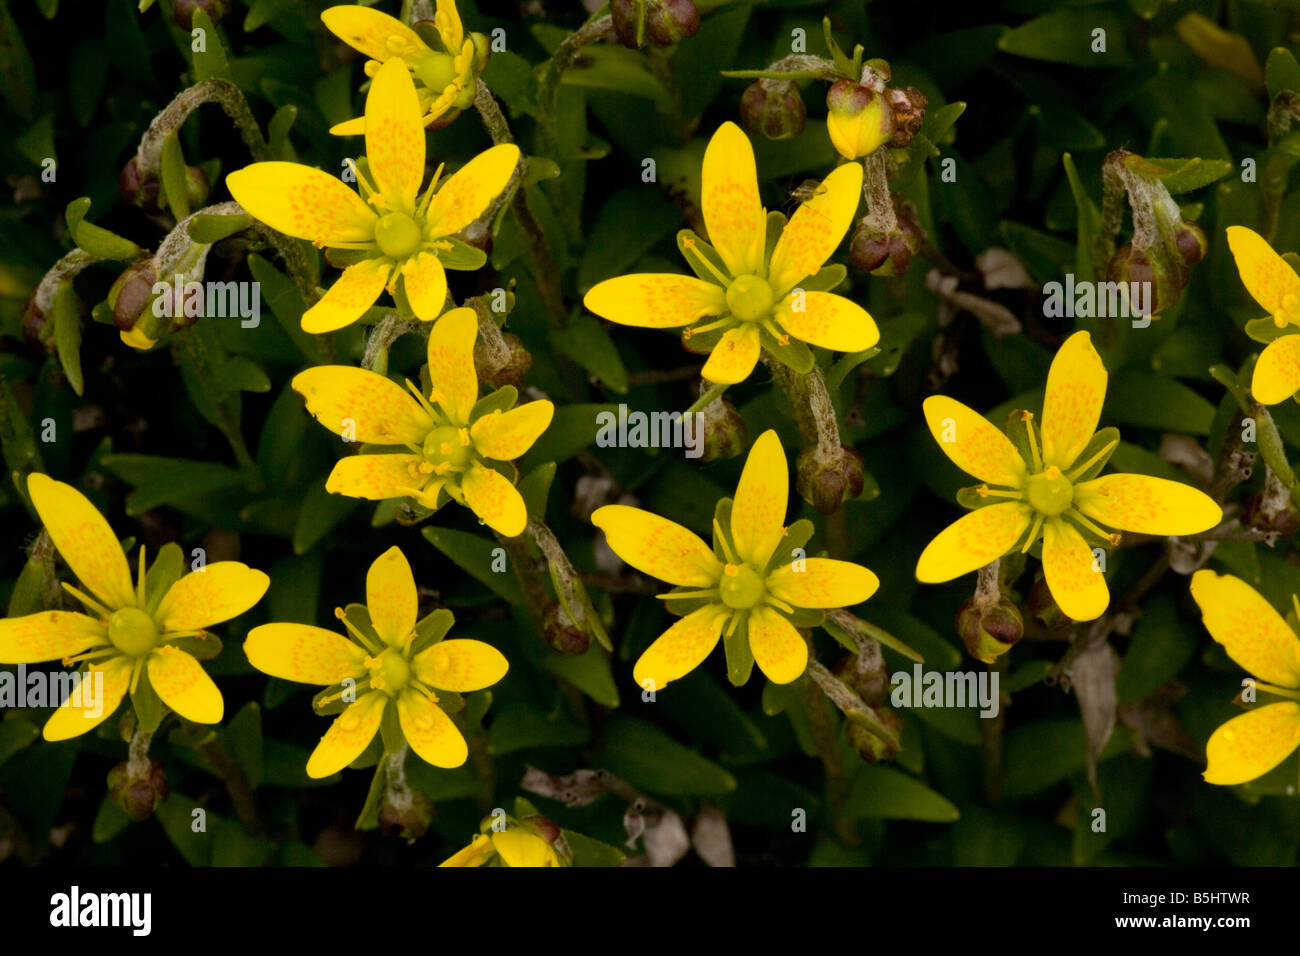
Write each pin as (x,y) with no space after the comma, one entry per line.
(883,792)
(1180,175)
(171,169)
(15,734)
(208,229)
(585,340)
(321,512)
(475,555)
(1067,36)
(98,242)
(573,428)
(589,672)
(163,481)
(211,60)
(67,335)
(1281,72)
(1143,398)
(650,760)
(589,852)
(519,726)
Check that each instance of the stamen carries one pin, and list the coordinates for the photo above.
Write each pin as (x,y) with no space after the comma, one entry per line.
(688,595)
(356,632)
(736,617)
(87,601)
(1080,469)
(135,673)
(706,327)
(708,264)
(779,605)
(1033,532)
(1083,520)
(424,402)
(1028,418)
(139,580)
(984,491)
(721,538)
(773,331)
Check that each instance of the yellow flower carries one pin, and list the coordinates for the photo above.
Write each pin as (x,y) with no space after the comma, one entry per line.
(131,634)
(391,659)
(450,447)
(1275,286)
(1261,641)
(756,301)
(858,119)
(1051,487)
(446,75)
(753,587)
(401,244)
(516,845)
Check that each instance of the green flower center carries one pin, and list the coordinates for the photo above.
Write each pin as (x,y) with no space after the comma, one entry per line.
(389,671)
(750,298)
(436,70)
(398,235)
(132,631)
(1050,493)
(448,448)
(740,587)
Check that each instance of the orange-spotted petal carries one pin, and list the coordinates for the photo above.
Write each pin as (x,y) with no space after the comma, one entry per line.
(362,406)
(219,592)
(461,664)
(1076,390)
(505,436)
(1147,505)
(655,300)
(185,686)
(972,541)
(779,650)
(374,33)
(349,297)
(303,653)
(395,136)
(821,583)
(469,191)
(658,547)
(48,636)
(425,283)
(1249,746)
(828,321)
(734,357)
(303,202)
(972,443)
(1268,277)
(733,214)
(391,597)
(84,539)
(1277,372)
(348,736)
(92,703)
(376,477)
(681,648)
(491,496)
(451,363)
(815,230)
(1254,634)
(430,732)
(1073,577)
(762,497)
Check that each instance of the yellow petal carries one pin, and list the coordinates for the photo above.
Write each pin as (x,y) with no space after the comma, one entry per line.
(425,283)
(1267,277)
(762,497)
(362,405)
(492,497)
(972,443)
(779,650)
(84,539)
(1076,389)
(447,22)
(48,636)
(451,363)
(374,477)
(479,851)
(822,583)
(518,847)
(972,541)
(828,321)
(469,191)
(185,686)
(658,547)
(349,297)
(430,732)
(681,648)
(507,435)
(302,653)
(1147,505)
(348,736)
(304,202)
(76,715)
(352,127)
(461,664)
(733,214)
(373,33)
(1251,745)
(1277,373)
(137,339)
(815,230)
(734,357)
(655,300)
(219,592)
(1078,589)
(395,135)
(391,597)
(1254,634)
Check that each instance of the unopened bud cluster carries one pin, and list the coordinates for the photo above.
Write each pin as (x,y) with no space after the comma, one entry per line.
(989,630)
(640,23)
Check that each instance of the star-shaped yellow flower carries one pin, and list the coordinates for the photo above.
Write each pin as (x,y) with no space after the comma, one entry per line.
(391,658)
(754,587)
(516,845)
(754,299)
(445,75)
(452,438)
(1260,640)
(131,634)
(1051,487)
(388,238)
(1275,286)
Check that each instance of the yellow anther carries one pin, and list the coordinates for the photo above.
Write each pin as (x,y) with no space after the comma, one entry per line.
(463,436)
(731,570)
(426,468)
(1115,538)
(1026,416)
(445,448)
(982,491)
(1052,472)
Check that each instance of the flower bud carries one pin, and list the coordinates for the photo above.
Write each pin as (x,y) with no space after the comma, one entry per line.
(498,371)
(183,11)
(137,189)
(37,329)
(407,816)
(827,485)
(908,104)
(1164,279)
(131,296)
(989,632)
(874,749)
(859,120)
(724,430)
(561,632)
(659,22)
(1043,606)
(139,795)
(871,685)
(1191,242)
(773,108)
(886,253)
